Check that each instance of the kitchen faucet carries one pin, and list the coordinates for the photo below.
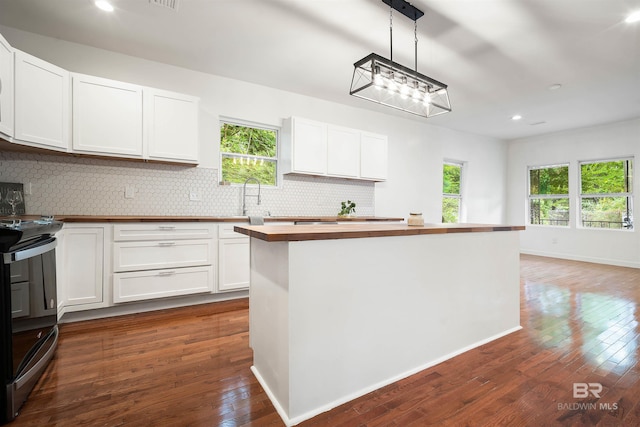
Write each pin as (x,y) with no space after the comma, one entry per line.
(245,195)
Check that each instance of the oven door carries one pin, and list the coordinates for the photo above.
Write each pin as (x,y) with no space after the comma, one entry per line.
(34,334)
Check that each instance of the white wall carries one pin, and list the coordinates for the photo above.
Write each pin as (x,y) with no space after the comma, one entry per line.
(601,142)
(416,148)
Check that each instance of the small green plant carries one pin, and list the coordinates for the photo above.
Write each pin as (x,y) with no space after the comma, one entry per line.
(348,208)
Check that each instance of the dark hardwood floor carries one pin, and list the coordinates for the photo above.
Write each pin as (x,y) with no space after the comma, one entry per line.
(190,366)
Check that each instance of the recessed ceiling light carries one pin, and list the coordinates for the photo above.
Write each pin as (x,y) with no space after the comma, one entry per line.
(633,17)
(555,86)
(516,117)
(104,5)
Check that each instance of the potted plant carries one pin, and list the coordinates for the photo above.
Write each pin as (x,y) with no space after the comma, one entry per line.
(348,208)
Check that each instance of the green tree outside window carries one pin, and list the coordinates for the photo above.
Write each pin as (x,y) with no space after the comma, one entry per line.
(606,196)
(549,195)
(247,151)
(451,194)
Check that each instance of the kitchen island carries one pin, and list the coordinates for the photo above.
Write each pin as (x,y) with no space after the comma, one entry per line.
(337,311)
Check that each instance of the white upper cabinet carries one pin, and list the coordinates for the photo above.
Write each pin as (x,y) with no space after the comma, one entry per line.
(41,103)
(6,88)
(309,148)
(107,117)
(373,156)
(343,152)
(316,148)
(45,106)
(171,121)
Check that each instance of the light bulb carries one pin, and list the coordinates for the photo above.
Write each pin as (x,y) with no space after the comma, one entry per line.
(377,77)
(392,85)
(416,92)
(404,88)
(427,98)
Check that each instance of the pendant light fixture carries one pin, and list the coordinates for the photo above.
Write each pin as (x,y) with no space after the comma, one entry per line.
(386,82)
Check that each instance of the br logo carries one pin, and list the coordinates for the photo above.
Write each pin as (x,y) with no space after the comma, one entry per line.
(582,390)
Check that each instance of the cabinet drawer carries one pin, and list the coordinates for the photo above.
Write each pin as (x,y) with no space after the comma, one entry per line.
(162,230)
(145,285)
(132,256)
(225,231)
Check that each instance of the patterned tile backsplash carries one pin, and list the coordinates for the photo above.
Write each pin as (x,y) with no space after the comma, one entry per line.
(68,185)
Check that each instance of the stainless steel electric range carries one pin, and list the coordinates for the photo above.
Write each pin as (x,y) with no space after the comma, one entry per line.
(28,307)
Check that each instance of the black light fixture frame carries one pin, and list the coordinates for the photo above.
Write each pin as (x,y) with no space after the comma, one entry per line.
(426,97)
(407,9)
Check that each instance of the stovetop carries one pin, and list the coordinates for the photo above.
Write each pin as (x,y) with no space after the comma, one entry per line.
(21,224)
(17,230)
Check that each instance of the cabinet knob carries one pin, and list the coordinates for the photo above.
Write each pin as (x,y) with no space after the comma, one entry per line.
(166,243)
(166,227)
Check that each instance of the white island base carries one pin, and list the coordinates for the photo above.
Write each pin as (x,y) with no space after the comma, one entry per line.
(331,320)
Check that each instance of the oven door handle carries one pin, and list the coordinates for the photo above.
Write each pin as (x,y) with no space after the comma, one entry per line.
(10,257)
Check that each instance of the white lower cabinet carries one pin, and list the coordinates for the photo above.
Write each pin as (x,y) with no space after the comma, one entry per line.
(233,261)
(102,265)
(81,272)
(162,260)
(152,284)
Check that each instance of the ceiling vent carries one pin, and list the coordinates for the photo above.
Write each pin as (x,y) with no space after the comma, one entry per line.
(167,4)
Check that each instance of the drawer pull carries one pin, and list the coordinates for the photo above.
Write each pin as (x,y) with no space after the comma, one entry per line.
(166,243)
(166,273)
(166,227)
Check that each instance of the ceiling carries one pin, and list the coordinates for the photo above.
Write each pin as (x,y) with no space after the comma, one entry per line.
(499,57)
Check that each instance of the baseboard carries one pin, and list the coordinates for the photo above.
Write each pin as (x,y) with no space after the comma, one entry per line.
(272,397)
(145,306)
(570,257)
(296,420)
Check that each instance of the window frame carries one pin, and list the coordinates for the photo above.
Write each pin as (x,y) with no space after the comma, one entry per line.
(245,123)
(627,194)
(566,196)
(458,196)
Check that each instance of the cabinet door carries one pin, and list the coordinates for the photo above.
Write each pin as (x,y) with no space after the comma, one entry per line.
(309,144)
(234,271)
(343,152)
(373,156)
(107,117)
(83,251)
(6,88)
(41,103)
(172,126)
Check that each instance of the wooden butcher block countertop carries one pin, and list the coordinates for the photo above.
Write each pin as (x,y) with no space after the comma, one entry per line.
(291,233)
(142,218)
